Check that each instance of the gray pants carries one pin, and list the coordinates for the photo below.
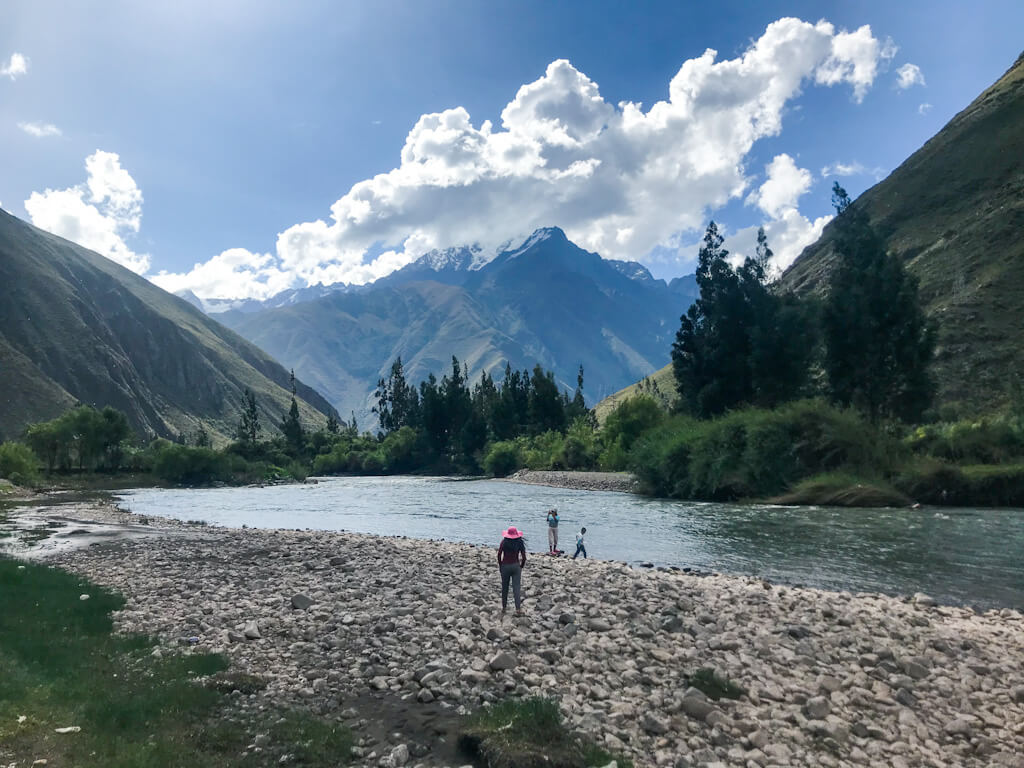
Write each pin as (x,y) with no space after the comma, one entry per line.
(553,537)
(511,572)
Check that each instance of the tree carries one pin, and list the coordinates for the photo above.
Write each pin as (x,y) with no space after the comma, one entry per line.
(332,426)
(711,351)
(202,438)
(878,343)
(546,406)
(397,402)
(739,343)
(249,421)
(291,427)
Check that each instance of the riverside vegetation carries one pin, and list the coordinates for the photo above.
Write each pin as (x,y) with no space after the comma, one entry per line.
(764,407)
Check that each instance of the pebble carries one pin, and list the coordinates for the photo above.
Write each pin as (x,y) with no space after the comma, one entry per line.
(831,679)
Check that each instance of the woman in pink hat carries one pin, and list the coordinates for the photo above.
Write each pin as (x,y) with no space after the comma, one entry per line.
(511,561)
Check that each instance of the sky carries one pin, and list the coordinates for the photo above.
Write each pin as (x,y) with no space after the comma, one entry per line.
(237,149)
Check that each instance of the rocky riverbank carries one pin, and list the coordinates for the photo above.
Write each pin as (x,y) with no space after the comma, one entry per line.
(580,481)
(356,626)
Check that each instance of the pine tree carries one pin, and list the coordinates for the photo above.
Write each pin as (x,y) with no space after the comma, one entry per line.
(249,421)
(332,426)
(878,343)
(291,427)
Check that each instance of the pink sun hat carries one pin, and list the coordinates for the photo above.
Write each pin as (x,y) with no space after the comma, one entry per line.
(512,533)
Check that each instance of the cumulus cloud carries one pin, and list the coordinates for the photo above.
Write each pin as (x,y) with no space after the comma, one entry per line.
(40,130)
(220,275)
(924,109)
(619,179)
(908,76)
(855,168)
(783,187)
(96,214)
(15,67)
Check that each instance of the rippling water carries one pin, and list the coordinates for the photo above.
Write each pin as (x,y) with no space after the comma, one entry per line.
(970,556)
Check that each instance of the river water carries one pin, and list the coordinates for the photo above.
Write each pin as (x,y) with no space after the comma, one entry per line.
(964,556)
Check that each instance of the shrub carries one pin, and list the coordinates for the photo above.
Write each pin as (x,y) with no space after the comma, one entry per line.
(983,442)
(755,452)
(614,457)
(190,466)
(503,458)
(18,463)
(634,416)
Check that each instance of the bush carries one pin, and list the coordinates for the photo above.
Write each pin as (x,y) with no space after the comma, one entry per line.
(579,450)
(982,442)
(18,464)
(634,416)
(983,485)
(755,452)
(614,458)
(838,489)
(545,451)
(190,466)
(503,458)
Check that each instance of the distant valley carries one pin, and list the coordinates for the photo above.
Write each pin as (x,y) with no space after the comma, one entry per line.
(546,301)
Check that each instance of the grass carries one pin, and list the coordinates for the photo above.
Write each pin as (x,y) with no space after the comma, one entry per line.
(61,665)
(529,733)
(840,489)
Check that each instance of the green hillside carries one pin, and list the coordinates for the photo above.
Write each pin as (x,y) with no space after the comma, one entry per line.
(76,327)
(954,213)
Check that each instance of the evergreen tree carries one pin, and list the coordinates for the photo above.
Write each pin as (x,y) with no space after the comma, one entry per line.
(878,343)
(291,427)
(332,426)
(546,406)
(397,402)
(249,421)
(202,437)
(711,353)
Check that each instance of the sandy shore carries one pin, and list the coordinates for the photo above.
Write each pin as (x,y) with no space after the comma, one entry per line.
(352,625)
(581,481)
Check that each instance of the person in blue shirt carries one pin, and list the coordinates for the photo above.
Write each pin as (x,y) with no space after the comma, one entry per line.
(553,531)
(579,544)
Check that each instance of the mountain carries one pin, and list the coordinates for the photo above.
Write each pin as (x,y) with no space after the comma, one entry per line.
(76,327)
(283,299)
(545,301)
(953,212)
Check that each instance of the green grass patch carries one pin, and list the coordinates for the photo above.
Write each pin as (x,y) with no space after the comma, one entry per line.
(839,489)
(714,685)
(61,665)
(528,733)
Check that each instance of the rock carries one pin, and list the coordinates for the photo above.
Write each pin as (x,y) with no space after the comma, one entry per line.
(68,729)
(905,697)
(959,727)
(399,755)
(252,631)
(817,708)
(914,669)
(425,696)
(696,708)
(923,600)
(83,597)
(503,660)
(337,560)
(672,624)
(1017,694)
(598,625)
(654,724)
(566,618)
(301,602)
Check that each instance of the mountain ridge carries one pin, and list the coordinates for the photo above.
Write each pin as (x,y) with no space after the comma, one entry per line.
(76,327)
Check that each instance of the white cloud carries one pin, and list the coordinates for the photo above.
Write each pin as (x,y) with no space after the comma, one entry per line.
(924,109)
(783,187)
(16,66)
(40,129)
(619,179)
(855,168)
(96,214)
(220,275)
(909,75)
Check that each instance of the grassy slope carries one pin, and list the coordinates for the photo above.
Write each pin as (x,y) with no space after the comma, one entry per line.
(76,326)
(954,213)
(663,377)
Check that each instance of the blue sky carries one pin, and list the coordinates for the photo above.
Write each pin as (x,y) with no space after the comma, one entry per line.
(221,134)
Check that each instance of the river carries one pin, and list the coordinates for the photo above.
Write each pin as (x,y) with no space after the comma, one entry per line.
(962,556)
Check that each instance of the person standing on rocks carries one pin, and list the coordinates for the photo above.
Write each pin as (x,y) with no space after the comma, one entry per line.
(511,561)
(553,531)
(579,544)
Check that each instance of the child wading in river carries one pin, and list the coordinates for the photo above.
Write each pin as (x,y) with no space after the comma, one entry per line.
(579,544)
